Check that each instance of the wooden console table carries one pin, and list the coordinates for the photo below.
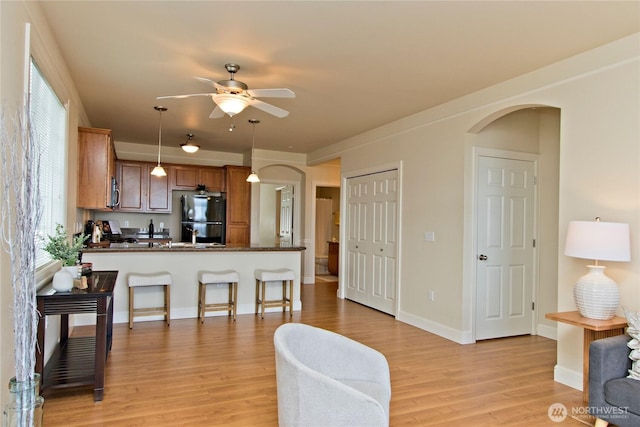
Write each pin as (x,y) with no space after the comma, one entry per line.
(593,330)
(77,361)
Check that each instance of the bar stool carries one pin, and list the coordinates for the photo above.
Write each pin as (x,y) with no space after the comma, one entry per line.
(283,275)
(205,278)
(163,279)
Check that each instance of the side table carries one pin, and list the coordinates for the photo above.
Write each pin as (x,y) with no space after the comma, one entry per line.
(79,360)
(593,330)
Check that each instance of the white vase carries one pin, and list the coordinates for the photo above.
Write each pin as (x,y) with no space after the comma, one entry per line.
(62,281)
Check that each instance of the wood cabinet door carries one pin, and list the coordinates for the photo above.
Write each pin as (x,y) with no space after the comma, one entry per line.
(96,157)
(131,186)
(158,191)
(212,178)
(238,204)
(185,178)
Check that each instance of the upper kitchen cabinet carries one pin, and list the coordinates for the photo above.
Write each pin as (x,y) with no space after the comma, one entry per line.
(97,185)
(142,192)
(189,177)
(238,204)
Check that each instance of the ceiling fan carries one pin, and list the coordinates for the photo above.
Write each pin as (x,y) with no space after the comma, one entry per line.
(232,96)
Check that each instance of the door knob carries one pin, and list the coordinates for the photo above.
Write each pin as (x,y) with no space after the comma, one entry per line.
(482,257)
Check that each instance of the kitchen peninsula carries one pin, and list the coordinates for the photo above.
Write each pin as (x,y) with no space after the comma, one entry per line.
(184,261)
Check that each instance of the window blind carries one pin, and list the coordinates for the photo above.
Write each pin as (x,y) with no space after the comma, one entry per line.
(49,125)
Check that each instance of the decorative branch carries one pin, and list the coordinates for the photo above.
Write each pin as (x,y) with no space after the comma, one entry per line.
(20,213)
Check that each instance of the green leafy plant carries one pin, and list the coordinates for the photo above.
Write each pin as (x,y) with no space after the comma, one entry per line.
(61,249)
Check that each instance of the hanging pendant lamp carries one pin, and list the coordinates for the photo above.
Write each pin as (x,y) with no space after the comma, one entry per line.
(159,170)
(189,146)
(253,176)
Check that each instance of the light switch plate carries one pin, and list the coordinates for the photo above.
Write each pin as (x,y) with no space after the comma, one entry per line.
(429,236)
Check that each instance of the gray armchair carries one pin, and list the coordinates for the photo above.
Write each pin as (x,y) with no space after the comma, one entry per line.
(326,379)
(612,396)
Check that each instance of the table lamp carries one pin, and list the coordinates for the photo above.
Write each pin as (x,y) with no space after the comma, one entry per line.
(596,295)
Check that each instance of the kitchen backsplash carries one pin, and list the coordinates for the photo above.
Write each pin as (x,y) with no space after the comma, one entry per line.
(134,220)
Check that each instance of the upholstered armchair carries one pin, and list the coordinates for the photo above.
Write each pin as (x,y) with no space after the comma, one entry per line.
(612,396)
(326,379)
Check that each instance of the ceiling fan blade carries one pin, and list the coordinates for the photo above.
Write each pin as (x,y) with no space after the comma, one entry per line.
(209,81)
(184,96)
(268,108)
(216,113)
(272,93)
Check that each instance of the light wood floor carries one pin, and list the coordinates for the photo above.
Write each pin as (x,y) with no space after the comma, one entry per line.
(223,373)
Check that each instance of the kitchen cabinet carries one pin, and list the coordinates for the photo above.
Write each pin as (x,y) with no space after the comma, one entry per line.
(96,169)
(238,204)
(189,177)
(142,192)
(131,186)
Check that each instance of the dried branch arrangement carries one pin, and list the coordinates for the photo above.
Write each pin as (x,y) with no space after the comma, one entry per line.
(20,213)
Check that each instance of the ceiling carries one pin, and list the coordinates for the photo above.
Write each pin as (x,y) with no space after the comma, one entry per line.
(354,65)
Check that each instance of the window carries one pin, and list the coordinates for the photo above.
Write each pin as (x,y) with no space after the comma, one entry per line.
(49,125)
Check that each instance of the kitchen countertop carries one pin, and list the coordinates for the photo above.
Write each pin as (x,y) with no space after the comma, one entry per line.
(188,247)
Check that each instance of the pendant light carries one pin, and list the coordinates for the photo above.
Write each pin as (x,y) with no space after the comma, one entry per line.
(159,170)
(189,146)
(253,177)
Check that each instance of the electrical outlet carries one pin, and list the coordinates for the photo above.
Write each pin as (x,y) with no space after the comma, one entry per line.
(219,285)
(126,224)
(429,236)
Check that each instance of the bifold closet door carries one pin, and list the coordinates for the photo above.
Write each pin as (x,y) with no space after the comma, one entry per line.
(371,249)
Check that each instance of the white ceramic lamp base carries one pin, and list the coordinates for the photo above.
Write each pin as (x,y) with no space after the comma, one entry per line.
(596,295)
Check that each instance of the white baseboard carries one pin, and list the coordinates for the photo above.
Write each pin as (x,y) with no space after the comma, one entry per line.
(568,377)
(548,332)
(461,337)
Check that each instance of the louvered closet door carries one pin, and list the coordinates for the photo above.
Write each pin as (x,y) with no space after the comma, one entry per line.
(371,258)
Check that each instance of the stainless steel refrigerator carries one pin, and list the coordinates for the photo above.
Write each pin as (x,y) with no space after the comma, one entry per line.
(206,214)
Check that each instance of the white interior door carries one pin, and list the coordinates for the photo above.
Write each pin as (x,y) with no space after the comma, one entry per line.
(505,242)
(286,214)
(371,231)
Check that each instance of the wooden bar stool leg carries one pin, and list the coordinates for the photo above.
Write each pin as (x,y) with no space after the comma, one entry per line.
(167,305)
(235,299)
(290,298)
(284,296)
(257,294)
(263,286)
(130,308)
(201,297)
(230,298)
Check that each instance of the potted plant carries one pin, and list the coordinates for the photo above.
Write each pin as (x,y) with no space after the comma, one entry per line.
(61,249)
(67,252)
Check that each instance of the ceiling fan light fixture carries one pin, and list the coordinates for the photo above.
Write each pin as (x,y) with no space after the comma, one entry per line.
(189,147)
(231,104)
(159,170)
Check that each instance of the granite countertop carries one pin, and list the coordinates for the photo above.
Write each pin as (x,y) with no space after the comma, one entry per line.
(188,247)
